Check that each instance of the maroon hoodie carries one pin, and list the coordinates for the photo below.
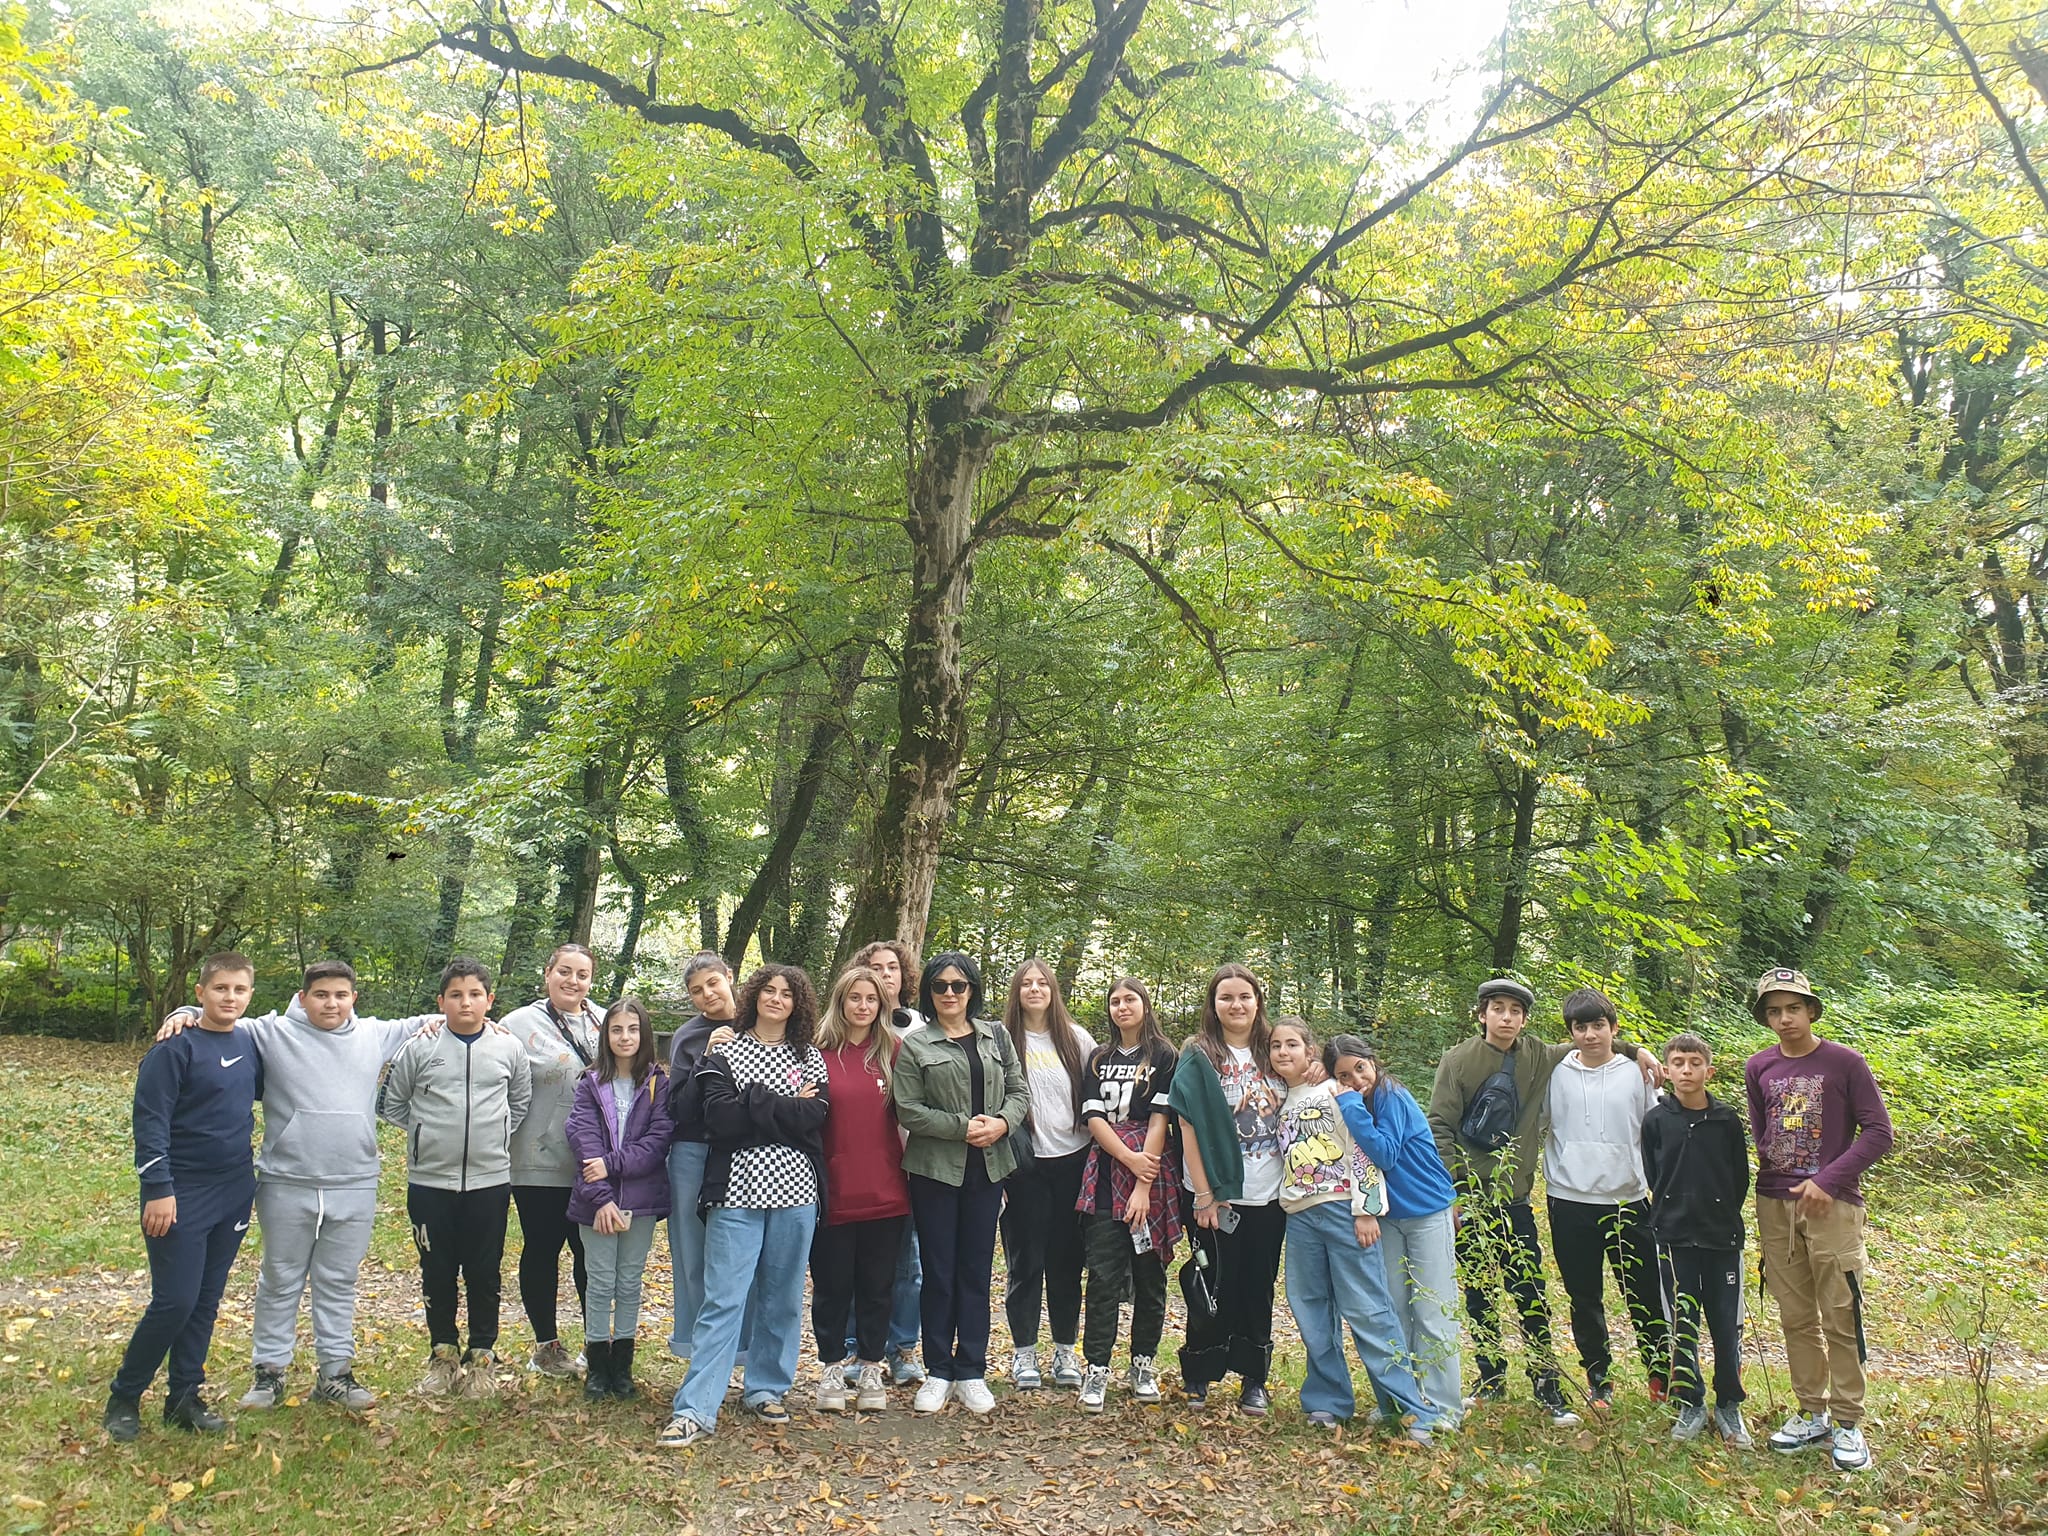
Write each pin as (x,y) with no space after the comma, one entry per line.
(863,1153)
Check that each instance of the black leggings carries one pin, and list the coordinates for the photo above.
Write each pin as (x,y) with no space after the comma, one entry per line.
(1243,1266)
(1043,1248)
(544,1226)
(853,1274)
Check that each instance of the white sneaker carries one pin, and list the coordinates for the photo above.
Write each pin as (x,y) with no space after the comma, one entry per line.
(681,1432)
(1066,1366)
(1851,1452)
(1144,1379)
(872,1393)
(1802,1431)
(1024,1370)
(832,1388)
(931,1397)
(975,1396)
(1094,1388)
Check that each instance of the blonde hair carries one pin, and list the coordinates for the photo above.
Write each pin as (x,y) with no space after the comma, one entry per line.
(832,1028)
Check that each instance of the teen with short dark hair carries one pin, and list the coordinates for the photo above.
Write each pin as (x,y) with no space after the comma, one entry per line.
(1130,1192)
(459,1095)
(765,1097)
(856,1245)
(559,1031)
(960,1094)
(1820,1123)
(1696,1157)
(1041,1228)
(1228,1101)
(194,1121)
(618,1133)
(1598,1196)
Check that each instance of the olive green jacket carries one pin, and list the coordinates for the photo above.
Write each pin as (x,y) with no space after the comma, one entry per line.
(934,1100)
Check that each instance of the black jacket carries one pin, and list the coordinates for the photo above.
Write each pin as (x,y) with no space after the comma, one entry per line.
(685,1051)
(1697,1162)
(754,1116)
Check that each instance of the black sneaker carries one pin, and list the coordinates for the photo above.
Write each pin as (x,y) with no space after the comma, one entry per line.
(122,1420)
(1551,1397)
(1198,1394)
(190,1412)
(1253,1402)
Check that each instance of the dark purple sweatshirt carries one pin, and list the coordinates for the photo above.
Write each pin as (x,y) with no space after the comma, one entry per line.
(1817,1116)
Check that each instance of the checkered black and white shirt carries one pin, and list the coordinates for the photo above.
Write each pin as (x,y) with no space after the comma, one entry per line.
(775,1177)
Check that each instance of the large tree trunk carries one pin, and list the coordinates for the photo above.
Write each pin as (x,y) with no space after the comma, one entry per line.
(1514,895)
(894,898)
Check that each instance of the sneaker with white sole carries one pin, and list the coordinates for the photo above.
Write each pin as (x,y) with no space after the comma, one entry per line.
(770,1410)
(1850,1451)
(832,1388)
(1066,1366)
(681,1431)
(1550,1397)
(552,1359)
(1692,1422)
(871,1393)
(1144,1379)
(267,1391)
(1802,1432)
(444,1372)
(340,1387)
(904,1369)
(1728,1423)
(975,1396)
(1094,1388)
(1024,1370)
(931,1397)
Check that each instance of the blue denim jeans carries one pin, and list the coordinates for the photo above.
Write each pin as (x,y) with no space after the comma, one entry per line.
(1332,1282)
(765,1255)
(686,1161)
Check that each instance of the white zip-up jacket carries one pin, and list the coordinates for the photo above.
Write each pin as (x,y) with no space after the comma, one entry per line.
(459,1099)
(1594,1153)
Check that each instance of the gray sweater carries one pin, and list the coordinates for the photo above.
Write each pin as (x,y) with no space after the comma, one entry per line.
(459,1099)
(320,1095)
(540,1147)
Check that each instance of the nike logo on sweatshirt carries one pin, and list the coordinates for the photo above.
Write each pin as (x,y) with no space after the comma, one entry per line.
(229,1061)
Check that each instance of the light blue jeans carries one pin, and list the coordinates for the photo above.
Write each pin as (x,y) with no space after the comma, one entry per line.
(1332,1282)
(765,1254)
(615,1262)
(686,1161)
(1420,1256)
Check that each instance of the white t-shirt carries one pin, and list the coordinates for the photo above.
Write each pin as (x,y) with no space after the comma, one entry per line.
(1055,1131)
(1255,1101)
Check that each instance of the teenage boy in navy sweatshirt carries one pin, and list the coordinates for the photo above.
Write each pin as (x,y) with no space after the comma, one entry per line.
(195,1120)
(1696,1158)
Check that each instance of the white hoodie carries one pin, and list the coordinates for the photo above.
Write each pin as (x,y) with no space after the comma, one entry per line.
(1594,1153)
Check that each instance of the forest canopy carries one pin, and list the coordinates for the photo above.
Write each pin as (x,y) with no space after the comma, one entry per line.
(1062,477)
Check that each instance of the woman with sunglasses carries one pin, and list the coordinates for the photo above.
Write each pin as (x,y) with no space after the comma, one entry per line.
(960,1092)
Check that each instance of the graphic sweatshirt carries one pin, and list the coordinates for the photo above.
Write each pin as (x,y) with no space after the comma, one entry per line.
(1319,1160)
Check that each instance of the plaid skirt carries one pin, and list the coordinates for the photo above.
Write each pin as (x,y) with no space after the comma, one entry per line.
(1163,1219)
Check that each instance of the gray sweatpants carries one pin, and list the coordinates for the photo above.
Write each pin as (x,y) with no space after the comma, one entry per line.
(315,1237)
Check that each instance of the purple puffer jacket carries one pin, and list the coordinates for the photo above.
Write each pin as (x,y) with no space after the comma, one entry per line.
(635,1154)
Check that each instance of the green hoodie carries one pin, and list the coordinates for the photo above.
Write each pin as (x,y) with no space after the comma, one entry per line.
(1197,1097)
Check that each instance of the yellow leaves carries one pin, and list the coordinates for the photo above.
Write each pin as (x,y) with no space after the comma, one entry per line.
(180,1491)
(18,1328)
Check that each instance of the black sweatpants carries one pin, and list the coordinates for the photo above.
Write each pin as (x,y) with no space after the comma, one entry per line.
(1704,1282)
(1498,1248)
(1586,1239)
(1042,1248)
(188,1271)
(853,1271)
(460,1234)
(1113,1263)
(956,1235)
(544,1230)
(1243,1267)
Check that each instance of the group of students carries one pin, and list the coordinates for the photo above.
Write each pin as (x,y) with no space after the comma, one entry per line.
(884,1143)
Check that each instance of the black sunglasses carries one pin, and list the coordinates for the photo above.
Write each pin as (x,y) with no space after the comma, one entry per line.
(942,987)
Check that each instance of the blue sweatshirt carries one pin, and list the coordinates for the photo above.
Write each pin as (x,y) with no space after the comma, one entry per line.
(195,1110)
(1397,1138)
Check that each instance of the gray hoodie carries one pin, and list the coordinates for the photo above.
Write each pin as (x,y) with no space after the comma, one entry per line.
(320,1095)
(460,1098)
(1594,1154)
(540,1147)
